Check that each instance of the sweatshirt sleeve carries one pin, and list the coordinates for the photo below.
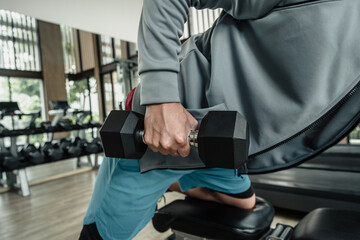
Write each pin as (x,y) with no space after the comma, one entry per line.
(161,26)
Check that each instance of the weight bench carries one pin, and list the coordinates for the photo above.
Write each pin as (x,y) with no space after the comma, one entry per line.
(200,220)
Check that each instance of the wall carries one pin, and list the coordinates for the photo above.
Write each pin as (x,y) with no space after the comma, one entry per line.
(52,62)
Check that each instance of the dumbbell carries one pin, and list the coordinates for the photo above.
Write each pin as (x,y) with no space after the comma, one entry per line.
(222,138)
(4,152)
(70,148)
(81,143)
(12,163)
(52,152)
(32,154)
(94,146)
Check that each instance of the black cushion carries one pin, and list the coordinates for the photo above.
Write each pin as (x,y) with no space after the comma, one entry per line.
(329,224)
(216,221)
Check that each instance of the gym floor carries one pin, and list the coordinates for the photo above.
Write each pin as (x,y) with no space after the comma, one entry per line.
(56,208)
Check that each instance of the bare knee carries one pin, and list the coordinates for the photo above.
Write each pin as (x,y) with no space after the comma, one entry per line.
(247,203)
(244,203)
(175,187)
(210,195)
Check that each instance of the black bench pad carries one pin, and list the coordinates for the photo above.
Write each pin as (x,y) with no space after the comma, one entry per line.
(329,224)
(215,221)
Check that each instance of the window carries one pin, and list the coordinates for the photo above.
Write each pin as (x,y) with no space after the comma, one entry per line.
(19,49)
(82,95)
(117,46)
(135,78)
(200,21)
(354,137)
(70,46)
(132,51)
(108,93)
(28,93)
(118,83)
(119,89)
(111,49)
(107,55)
(4,89)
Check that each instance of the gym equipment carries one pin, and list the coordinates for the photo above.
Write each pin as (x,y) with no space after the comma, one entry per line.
(94,124)
(5,152)
(81,143)
(61,110)
(81,116)
(12,109)
(63,125)
(9,109)
(211,220)
(70,148)
(32,154)
(12,163)
(94,146)
(46,125)
(4,131)
(63,115)
(52,152)
(222,135)
(328,180)
(9,156)
(34,116)
(198,219)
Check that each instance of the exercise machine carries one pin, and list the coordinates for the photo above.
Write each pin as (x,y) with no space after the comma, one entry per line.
(194,219)
(327,180)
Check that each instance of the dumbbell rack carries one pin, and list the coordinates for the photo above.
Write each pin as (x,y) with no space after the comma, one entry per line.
(17,178)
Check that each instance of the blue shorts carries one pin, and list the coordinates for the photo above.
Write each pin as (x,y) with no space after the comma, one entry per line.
(124,200)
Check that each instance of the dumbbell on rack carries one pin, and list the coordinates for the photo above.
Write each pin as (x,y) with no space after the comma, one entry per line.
(71,148)
(33,154)
(12,163)
(94,146)
(222,138)
(5,152)
(52,152)
(81,143)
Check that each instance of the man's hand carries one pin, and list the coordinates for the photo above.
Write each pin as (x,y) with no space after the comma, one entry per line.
(167,127)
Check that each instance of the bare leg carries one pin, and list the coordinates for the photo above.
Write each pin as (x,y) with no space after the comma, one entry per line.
(210,195)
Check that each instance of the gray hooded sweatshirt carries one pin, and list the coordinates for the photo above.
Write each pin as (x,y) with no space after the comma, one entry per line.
(290,67)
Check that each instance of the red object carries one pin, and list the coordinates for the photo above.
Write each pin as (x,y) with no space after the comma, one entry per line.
(129,99)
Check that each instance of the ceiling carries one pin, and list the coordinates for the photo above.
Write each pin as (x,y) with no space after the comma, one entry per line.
(115,18)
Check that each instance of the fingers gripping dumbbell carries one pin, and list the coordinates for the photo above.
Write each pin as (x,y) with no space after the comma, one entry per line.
(222,138)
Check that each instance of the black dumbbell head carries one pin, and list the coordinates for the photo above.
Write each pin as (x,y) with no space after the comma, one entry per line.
(119,135)
(29,148)
(12,163)
(36,157)
(51,151)
(223,140)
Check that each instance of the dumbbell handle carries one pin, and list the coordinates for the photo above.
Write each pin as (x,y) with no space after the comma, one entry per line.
(193,137)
